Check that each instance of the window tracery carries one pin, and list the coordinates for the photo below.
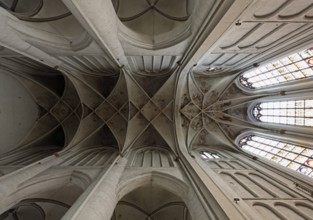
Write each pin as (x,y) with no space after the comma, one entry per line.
(294,157)
(290,68)
(290,112)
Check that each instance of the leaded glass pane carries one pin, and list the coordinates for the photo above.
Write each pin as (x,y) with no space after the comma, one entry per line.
(298,158)
(295,66)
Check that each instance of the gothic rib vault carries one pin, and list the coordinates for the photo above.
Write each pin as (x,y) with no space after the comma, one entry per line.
(117,98)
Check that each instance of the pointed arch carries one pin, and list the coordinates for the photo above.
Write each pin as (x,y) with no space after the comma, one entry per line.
(286,113)
(171,183)
(291,69)
(285,152)
(292,112)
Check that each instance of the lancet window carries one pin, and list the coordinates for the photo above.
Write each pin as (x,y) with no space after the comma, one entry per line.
(290,68)
(290,112)
(295,157)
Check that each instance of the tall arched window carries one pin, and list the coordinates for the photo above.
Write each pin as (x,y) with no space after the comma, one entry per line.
(291,112)
(294,157)
(293,67)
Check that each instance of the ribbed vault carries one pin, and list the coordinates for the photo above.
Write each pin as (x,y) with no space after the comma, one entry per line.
(148,81)
(113,86)
(81,111)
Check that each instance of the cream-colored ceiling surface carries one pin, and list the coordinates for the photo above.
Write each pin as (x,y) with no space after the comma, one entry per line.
(106,77)
(98,93)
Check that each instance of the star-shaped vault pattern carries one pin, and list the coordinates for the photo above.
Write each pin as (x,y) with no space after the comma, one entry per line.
(93,112)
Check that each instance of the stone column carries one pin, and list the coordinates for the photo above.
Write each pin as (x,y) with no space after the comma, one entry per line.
(10,182)
(99,202)
(99,18)
(10,38)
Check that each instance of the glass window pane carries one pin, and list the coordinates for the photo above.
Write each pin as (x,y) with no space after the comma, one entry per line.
(284,162)
(308,122)
(291,121)
(305,170)
(300,104)
(307,72)
(283,104)
(309,112)
(301,65)
(212,155)
(294,166)
(288,147)
(309,103)
(282,153)
(291,156)
(297,149)
(295,57)
(301,159)
(300,121)
(307,152)
(283,120)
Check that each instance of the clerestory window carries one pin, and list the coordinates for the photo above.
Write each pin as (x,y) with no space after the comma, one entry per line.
(293,67)
(209,155)
(290,112)
(294,157)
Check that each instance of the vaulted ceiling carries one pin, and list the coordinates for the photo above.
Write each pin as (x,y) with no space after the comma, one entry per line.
(141,73)
(105,77)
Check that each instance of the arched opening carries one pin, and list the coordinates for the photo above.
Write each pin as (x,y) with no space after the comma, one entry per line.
(292,112)
(281,73)
(156,195)
(37,209)
(45,198)
(154,24)
(295,155)
(151,202)
(287,69)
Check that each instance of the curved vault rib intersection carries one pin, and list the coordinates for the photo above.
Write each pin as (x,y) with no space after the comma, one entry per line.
(116,101)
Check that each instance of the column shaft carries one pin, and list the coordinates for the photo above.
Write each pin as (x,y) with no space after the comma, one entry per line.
(101,200)
(10,38)
(101,21)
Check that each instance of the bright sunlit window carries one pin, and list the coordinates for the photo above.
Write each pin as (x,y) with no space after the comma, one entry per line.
(293,67)
(209,155)
(294,157)
(293,112)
